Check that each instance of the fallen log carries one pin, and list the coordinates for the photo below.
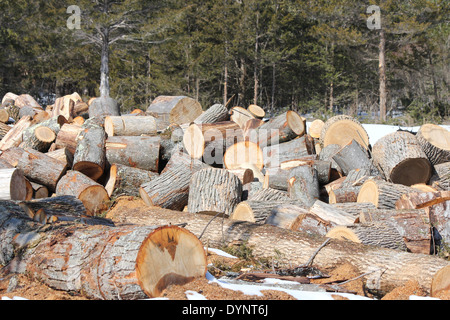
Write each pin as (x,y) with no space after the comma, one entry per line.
(102,262)
(303,185)
(296,149)
(388,268)
(215,113)
(257,211)
(333,214)
(352,157)
(240,116)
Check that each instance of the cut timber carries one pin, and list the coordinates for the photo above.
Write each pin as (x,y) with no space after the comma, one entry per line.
(296,149)
(240,116)
(13,138)
(90,154)
(39,191)
(64,106)
(408,167)
(420,200)
(41,140)
(137,152)
(12,185)
(4,115)
(9,96)
(171,189)
(36,166)
(257,211)
(315,128)
(125,180)
(332,214)
(63,155)
(130,126)
(245,175)
(303,185)
(103,262)
(4,129)
(250,127)
(441,176)
(25,100)
(282,128)
(380,234)
(214,191)
(175,109)
(103,107)
(435,142)
(382,194)
(413,226)
(93,195)
(66,137)
(243,152)
(343,195)
(441,282)
(269,194)
(354,208)
(341,130)
(352,157)
(250,189)
(386,269)
(276,178)
(215,113)
(257,111)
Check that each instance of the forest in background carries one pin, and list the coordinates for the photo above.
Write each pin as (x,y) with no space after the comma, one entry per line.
(315,57)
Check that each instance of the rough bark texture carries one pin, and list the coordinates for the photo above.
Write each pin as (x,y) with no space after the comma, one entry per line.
(382,194)
(104,106)
(269,194)
(401,159)
(66,137)
(441,176)
(125,180)
(332,213)
(282,128)
(214,191)
(130,126)
(353,156)
(296,149)
(240,116)
(388,268)
(215,113)
(175,109)
(303,185)
(258,211)
(13,138)
(435,142)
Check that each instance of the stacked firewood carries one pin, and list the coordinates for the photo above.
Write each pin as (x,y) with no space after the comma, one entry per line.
(326,180)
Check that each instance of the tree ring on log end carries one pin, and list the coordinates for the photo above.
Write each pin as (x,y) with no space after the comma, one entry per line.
(90,169)
(369,193)
(401,174)
(170,255)
(295,122)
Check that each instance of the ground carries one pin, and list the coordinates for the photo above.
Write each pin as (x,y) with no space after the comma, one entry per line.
(21,286)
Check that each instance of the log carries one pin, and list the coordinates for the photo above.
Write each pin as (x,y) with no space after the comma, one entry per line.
(137,152)
(413,226)
(382,194)
(103,107)
(67,136)
(441,283)
(243,152)
(435,142)
(380,234)
(344,195)
(276,178)
(258,211)
(250,189)
(315,128)
(171,189)
(36,166)
(408,167)
(4,115)
(92,194)
(269,194)
(13,138)
(25,100)
(90,153)
(282,128)
(130,126)
(214,191)
(215,113)
(218,144)
(12,185)
(41,139)
(4,129)
(354,209)
(63,155)
(441,176)
(250,129)
(421,200)
(64,106)
(9,96)
(303,185)
(275,155)
(388,268)
(240,116)
(245,175)
(39,191)
(125,180)
(256,111)
(175,109)
(341,130)
(103,262)
(331,213)
(353,156)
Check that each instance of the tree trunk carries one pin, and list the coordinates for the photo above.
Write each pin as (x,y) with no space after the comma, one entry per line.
(409,166)
(388,268)
(382,74)
(332,214)
(214,191)
(215,113)
(36,166)
(41,140)
(138,152)
(104,65)
(93,195)
(269,194)
(441,176)
(258,211)
(303,185)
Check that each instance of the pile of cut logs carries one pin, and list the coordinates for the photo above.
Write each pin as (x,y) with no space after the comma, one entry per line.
(325,180)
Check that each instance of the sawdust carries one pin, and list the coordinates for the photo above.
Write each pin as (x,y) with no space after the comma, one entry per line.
(412,287)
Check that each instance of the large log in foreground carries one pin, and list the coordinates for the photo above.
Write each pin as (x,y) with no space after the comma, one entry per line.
(101,262)
(388,268)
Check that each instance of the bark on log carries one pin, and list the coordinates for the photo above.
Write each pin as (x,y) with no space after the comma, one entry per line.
(103,107)
(63,155)
(215,113)
(282,128)
(41,140)
(14,136)
(130,126)
(277,179)
(382,194)
(4,129)
(332,214)
(269,194)
(175,109)
(245,175)
(296,149)
(344,195)
(258,211)
(67,136)
(240,116)
(435,142)
(409,166)
(171,189)
(388,268)
(413,225)
(90,153)
(36,166)
(137,152)
(39,191)
(125,180)
(355,209)
(341,130)
(353,156)
(102,262)
(214,191)
(441,176)
(251,189)
(92,194)
(303,185)
(12,185)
